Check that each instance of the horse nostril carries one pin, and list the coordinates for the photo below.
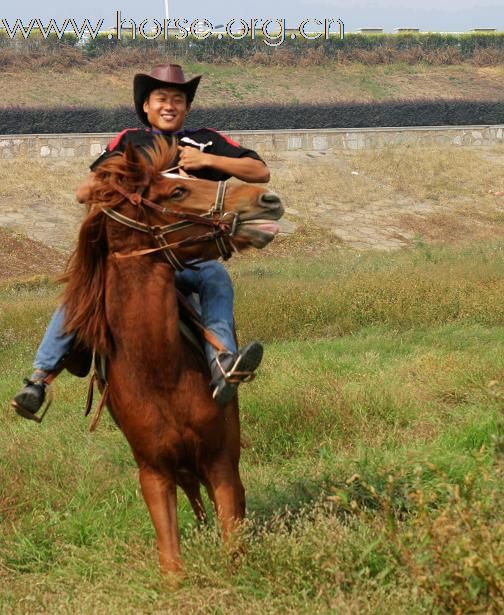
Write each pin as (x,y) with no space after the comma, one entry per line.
(269,199)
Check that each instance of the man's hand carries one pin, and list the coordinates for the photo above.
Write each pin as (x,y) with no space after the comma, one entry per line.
(245,168)
(191,159)
(84,190)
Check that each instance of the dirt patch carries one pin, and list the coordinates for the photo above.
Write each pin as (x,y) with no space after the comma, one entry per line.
(21,257)
(445,227)
(392,198)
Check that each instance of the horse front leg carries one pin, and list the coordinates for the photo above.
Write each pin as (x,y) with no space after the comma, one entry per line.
(160,493)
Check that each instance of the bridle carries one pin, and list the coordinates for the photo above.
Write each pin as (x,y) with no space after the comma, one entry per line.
(222,226)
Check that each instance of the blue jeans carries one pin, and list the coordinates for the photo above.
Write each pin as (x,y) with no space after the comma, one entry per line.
(212,284)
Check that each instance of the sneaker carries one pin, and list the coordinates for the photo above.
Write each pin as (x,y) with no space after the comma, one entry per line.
(230,370)
(31,397)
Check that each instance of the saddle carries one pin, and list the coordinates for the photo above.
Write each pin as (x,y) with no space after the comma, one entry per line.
(80,359)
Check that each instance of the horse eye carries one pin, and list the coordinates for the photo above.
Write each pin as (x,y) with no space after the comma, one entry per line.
(178,193)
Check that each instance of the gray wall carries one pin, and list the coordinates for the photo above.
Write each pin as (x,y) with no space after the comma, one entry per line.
(266,141)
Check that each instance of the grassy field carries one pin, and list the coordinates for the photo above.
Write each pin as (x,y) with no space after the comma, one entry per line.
(373,463)
(109,84)
(374,433)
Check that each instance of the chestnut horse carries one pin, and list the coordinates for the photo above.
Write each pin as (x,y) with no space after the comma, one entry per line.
(120,298)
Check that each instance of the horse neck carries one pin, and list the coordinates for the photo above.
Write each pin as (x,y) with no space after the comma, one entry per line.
(142,312)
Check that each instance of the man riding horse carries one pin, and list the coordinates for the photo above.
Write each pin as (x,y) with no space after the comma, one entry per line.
(162,101)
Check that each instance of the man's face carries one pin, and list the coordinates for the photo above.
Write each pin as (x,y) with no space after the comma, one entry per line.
(166,109)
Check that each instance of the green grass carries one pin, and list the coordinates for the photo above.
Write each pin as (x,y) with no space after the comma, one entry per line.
(343,292)
(373,459)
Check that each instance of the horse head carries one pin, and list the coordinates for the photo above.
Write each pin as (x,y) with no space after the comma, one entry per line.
(196,218)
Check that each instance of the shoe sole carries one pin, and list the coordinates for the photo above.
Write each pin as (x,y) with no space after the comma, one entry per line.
(28,401)
(25,413)
(248,361)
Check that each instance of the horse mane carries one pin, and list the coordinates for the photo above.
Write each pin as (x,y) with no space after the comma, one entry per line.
(85,274)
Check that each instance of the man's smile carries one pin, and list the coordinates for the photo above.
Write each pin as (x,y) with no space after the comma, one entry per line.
(166,109)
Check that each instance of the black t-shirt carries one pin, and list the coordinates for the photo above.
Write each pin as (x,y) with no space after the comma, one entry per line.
(205,139)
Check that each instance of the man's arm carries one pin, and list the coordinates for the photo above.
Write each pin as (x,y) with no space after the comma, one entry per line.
(244,168)
(84,190)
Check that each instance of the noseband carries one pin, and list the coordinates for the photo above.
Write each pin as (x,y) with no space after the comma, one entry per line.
(221,230)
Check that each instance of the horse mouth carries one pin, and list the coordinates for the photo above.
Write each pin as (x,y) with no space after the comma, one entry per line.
(257,227)
(258,232)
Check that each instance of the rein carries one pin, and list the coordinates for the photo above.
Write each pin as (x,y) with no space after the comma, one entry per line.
(220,229)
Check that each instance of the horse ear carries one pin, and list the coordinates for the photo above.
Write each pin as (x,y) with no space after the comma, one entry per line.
(137,165)
(133,157)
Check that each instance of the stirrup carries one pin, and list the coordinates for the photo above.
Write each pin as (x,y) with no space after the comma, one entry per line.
(232,376)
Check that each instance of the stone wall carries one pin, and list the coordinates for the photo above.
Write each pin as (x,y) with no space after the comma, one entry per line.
(265,141)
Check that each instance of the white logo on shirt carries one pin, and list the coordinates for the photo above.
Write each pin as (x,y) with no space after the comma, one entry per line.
(200,146)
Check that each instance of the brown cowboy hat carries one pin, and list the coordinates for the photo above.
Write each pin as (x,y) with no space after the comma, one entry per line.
(161,76)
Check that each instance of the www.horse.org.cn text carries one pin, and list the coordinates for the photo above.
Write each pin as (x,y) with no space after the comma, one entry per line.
(272,32)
